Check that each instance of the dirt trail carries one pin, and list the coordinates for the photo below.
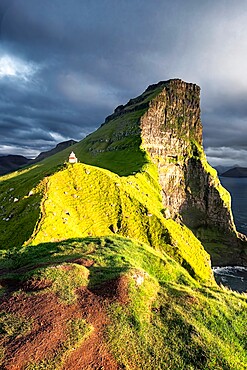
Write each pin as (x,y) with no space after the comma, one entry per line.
(93,354)
(49,317)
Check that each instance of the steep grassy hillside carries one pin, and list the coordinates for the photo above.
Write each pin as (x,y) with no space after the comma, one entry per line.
(123,157)
(81,200)
(114,303)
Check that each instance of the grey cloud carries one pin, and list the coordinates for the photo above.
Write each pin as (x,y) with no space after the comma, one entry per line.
(90,56)
(225,123)
(227,156)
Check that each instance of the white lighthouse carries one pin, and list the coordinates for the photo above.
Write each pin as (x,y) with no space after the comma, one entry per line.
(72,158)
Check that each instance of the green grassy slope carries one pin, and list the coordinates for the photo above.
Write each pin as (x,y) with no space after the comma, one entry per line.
(81,200)
(124,156)
(169,321)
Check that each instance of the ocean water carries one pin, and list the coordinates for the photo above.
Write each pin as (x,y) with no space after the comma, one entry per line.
(235,277)
(238,190)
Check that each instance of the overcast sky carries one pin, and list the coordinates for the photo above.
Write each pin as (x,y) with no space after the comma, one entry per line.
(66,64)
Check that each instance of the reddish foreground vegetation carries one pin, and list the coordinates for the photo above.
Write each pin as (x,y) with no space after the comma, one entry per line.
(48,331)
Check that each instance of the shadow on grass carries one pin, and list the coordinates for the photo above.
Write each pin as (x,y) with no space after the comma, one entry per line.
(82,251)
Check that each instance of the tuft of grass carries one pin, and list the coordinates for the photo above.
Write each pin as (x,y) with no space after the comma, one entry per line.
(64,278)
(12,326)
(180,328)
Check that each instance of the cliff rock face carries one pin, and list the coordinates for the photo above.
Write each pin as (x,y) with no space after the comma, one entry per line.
(171,132)
(169,124)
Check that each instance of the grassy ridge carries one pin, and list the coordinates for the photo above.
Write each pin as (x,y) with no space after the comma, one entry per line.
(83,200)
(108,147)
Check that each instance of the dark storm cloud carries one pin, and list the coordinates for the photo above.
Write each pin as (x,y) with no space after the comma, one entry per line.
(66,64)
(225,126)
(227,156)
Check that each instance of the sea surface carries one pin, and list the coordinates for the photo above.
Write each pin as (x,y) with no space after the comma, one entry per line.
(238,190)
(235,277)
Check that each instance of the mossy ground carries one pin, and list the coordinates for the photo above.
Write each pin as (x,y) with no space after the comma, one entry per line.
(77,331)
(171,321)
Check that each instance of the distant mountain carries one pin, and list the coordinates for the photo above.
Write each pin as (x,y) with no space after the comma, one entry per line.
(10,163)
(236,172)
(222,169)
(58,148)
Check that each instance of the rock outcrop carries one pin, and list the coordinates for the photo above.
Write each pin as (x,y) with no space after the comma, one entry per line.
(170,128)
(171,131)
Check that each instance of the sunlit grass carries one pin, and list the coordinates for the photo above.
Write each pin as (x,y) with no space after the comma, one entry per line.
(171,321)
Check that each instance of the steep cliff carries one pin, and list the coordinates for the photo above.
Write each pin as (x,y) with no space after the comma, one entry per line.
(170,131)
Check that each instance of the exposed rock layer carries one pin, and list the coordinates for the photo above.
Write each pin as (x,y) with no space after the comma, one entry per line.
(172,135)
